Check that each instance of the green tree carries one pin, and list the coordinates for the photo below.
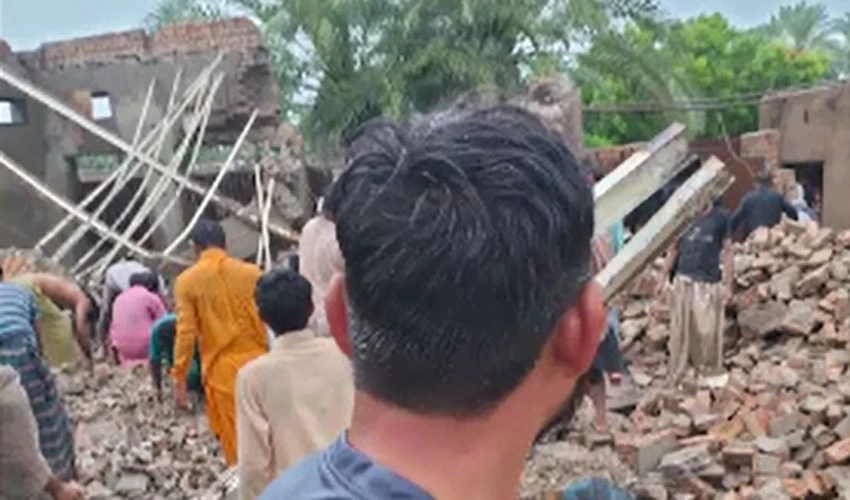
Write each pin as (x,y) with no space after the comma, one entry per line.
(180,11)
(695,71)
(802,27)
(841,64)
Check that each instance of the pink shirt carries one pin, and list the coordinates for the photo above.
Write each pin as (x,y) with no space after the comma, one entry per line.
(133,314)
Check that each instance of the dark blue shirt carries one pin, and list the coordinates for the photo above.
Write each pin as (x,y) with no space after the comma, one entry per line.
(761,207)
(340,472)
(698,251)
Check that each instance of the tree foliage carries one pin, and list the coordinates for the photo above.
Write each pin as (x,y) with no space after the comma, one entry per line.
(691,66)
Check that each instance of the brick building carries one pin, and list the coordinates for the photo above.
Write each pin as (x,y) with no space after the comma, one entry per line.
(107,77)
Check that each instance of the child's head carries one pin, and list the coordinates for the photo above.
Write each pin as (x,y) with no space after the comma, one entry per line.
(284,299)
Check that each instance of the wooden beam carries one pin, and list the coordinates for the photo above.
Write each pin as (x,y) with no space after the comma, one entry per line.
(230,206)
(686,204)
(641,175)
(231,159)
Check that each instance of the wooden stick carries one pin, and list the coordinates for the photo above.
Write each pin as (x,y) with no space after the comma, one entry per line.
(258,184)
(65,205)
(166,123)
(264,233)
(156,148)
(154,196)
(665,226)
(230,206)
(116,186)
(206,201)
(172,202)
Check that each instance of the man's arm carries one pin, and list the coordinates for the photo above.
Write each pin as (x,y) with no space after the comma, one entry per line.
(788,209)
(254,451)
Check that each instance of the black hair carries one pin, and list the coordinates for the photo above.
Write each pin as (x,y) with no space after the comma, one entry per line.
(208,233)
(147,279)
(462,249)
(284,299)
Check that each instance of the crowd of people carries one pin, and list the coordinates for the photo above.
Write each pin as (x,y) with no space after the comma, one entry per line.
(441,312)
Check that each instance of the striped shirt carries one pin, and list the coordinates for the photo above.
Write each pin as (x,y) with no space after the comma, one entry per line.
(18,313)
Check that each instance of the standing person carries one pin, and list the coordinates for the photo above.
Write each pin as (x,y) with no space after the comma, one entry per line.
(699,295)
(66,340)
(297,398)
(761,207)
(133,314)
(117,280)
(20,349)
(466,306)
(24,473)
(215,306)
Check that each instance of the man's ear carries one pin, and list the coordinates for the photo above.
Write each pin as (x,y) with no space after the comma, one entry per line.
(580,330)
(336,311)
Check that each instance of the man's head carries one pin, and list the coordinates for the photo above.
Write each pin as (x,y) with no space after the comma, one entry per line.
(467,249)
(207,234)
(284,299)
(148,280)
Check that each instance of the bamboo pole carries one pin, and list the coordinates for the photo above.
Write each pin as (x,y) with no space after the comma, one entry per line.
(258,184)
(65,205)
(166,123)
(153,197)
(116,186)
(206,201)
(192,163)
(128,209)
(230,206)
(264,232)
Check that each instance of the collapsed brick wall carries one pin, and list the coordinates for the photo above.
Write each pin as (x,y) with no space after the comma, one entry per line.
(230,35)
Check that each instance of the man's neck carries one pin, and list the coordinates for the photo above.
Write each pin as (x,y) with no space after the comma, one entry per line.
(480,458)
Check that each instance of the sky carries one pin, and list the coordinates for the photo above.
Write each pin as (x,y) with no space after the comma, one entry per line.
(25,24)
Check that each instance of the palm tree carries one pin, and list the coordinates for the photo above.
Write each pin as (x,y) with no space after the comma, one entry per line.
(841,64)
(180,11)
(802,27)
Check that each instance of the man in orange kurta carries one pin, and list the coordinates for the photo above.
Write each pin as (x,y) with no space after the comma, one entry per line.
(215,305)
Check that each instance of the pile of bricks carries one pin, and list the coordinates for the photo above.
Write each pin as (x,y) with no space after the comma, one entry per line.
(777,424)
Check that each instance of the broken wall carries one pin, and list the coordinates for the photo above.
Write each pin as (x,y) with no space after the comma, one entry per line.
(120,66)
(814,126)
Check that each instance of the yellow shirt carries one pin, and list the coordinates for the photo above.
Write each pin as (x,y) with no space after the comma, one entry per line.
(291,402)
(214,302)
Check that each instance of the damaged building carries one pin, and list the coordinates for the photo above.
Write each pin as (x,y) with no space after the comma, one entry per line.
(106,78)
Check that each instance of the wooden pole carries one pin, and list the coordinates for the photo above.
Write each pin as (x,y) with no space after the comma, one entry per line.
(258,184)
(206,201)
(154,196)
(166,123)
(192,164)
(116,186)
(264,233)
(65,205)
(230,206)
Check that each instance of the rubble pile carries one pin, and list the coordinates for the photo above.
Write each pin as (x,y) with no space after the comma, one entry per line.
(777,424)
(131,446)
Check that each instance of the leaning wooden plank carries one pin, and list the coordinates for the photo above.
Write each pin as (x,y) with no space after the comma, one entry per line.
(641,175)
(246,215)
(212,189)
(123,170)
(258,186)
(665,226)
(69,243)
(264,233)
